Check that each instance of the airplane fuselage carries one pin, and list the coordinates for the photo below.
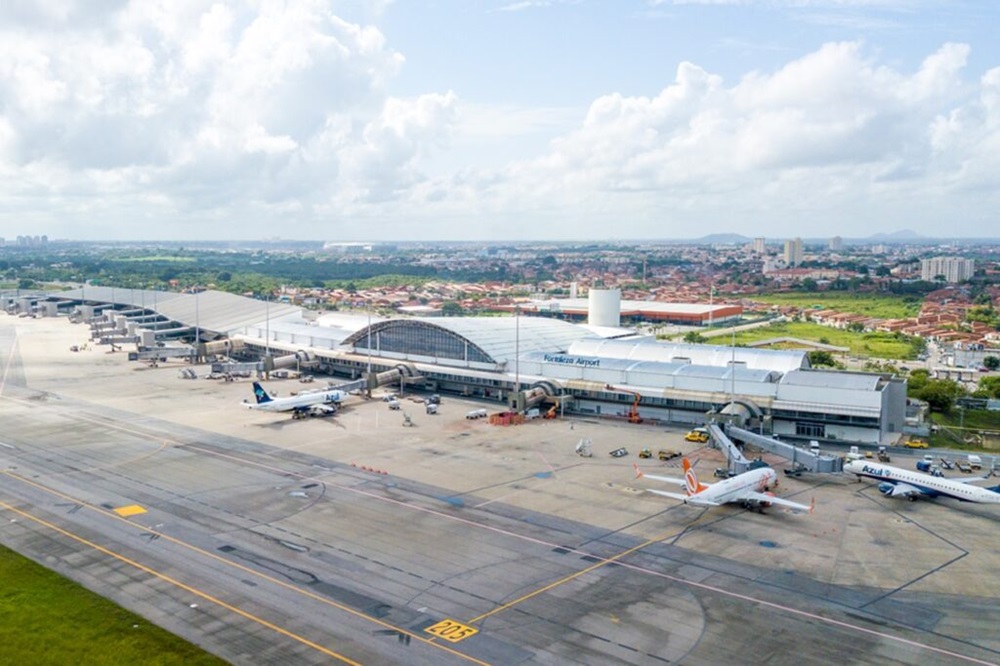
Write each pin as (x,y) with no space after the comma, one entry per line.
(735,489)
(925,484)
(300,402)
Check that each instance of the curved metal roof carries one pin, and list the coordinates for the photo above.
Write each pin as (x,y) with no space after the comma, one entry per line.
(499,338)
(211,311)
(705,355)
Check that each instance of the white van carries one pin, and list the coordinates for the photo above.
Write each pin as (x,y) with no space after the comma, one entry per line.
(975,462)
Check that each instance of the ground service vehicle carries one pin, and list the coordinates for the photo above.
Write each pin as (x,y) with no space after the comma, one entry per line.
(697,435)
(646,453)
(667,454)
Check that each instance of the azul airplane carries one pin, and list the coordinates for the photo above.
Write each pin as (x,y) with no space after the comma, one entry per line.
(896,482)
(748,488)
(302,404)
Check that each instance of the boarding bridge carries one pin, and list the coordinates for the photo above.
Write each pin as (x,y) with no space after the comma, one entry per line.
(117,340)
(802,458)
(347,387)
(162,353)
(238,369)
(737,462)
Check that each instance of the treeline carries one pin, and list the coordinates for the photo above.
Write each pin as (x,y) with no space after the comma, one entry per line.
(236,272)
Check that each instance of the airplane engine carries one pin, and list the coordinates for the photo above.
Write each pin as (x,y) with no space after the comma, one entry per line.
(886,488)
(758,505)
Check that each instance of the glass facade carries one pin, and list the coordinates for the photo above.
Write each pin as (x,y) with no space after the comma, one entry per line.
(420,339)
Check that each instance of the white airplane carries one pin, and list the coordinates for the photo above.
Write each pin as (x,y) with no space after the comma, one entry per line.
(315,403)
(896,482)
(748,488)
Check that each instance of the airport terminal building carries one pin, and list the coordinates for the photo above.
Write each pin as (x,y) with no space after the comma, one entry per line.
(520,362)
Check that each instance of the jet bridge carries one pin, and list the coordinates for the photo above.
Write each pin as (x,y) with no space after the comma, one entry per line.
(162,353)
(737,462)
(802,458)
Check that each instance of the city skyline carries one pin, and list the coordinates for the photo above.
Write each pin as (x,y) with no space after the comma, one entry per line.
(537,120)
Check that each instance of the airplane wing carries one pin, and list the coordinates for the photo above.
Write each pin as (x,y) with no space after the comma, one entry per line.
(666,479)
(905,490)
(764,498)
(973,479)
(692,499)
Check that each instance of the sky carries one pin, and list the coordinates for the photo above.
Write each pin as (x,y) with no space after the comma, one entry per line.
(397,120)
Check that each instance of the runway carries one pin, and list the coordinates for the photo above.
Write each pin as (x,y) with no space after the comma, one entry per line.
(263,553)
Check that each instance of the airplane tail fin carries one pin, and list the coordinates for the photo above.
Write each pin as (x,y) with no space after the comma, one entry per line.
(260,394)
(693,486)
(638,472)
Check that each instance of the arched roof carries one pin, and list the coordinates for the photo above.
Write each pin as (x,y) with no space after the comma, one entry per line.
(498,339)
(706,355)
(210,310)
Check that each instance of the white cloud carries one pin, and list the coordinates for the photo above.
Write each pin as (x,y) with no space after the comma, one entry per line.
(199,106)
(831,139)
(186,118)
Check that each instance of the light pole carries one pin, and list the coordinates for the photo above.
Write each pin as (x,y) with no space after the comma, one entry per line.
(517,349)
(197,327)
(369,345)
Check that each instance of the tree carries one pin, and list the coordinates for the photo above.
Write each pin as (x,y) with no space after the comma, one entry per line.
(940,394)
(451,309)
(989,387)
(821,358)
(991,363)
(809,284)
(694,337)
(917,380)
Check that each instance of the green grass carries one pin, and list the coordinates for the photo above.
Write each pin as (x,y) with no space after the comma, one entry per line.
(870,305)
(48,619)
(955,427)
(863,345)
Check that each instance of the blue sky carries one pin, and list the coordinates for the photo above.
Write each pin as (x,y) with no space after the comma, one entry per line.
(535,119)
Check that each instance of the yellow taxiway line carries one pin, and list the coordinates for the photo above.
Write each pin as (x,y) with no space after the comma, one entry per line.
(242,568)
(173,581)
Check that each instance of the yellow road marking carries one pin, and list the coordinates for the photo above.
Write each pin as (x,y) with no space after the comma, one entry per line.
(451,630)
(566,579)
(183,586)
(245,569)
(130,510)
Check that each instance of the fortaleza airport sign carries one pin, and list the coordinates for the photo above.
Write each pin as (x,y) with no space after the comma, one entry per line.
(574,360)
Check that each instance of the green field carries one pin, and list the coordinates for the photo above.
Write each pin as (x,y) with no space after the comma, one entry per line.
(862,345)
(871,305)
(960,430)
(48,619)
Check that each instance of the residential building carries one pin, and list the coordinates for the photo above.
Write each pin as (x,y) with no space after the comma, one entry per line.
(953,269)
